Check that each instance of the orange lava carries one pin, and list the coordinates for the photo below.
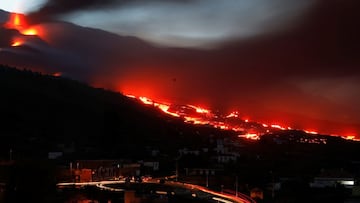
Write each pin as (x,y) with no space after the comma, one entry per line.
(18,22)
(58,74)
(206,117)
(199,109)
(162,106)
(277,126)
(15,22)
(30,31)
(311,132)
(252,136)
(17,43)
(233,114)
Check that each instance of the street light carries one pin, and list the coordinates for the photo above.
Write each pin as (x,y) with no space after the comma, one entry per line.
(272,184)
(10,154)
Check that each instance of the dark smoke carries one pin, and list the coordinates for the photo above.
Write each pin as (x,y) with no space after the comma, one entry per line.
(3,16)
(54,8)
(7,36)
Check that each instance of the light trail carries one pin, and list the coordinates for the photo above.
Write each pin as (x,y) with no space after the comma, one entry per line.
(226,198)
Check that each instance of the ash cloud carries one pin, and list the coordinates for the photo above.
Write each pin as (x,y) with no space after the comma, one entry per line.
(3,16)
(200,24)
(6,36)
(55,8)
(301,75)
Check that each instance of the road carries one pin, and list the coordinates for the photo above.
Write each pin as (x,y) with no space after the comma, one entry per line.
(218,196)
(99,184)
(195,190)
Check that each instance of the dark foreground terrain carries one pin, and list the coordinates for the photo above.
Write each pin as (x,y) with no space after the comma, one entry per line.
(43,115)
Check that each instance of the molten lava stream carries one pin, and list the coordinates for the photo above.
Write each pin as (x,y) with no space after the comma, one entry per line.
(30,31)
(205,117)
(18,22)
(17,43)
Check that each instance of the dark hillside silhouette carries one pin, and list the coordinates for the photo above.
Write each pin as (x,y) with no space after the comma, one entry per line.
(40,112)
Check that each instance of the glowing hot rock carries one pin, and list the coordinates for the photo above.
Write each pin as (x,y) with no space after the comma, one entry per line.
(18,22)
(17,43)
(30,31)
(204,116)
(15,22)
(58,74)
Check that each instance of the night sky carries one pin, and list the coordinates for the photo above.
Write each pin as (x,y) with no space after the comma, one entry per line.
(289,62)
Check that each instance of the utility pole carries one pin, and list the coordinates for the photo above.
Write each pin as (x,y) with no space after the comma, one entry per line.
(10,154)
(177,170)
(273,185)
(177,167)
(207,178)
(236,186)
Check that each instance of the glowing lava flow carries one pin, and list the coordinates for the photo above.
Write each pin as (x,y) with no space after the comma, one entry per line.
(162,106)
(165,108)
(18,22)
(58,74)
(350,137)
(192,114)
(311,132)
(199,109)
(30,31)
(234,114)
(15,22)
(16,43)
(200,116)
(277,126)
(252,136)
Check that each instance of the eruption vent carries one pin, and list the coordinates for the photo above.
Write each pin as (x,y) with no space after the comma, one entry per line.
(16,43)
(18,22)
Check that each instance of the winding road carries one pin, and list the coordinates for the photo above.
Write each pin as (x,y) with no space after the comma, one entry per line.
(195,190)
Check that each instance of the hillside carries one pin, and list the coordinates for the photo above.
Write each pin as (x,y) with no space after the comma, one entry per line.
(42,113)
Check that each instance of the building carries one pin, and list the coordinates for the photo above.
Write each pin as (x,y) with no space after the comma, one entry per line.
(333,178)
(96,170)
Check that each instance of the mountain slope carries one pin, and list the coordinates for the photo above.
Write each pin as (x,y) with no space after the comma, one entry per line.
(41,113)
(294,78)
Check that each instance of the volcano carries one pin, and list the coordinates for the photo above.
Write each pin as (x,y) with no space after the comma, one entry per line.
(285,80)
